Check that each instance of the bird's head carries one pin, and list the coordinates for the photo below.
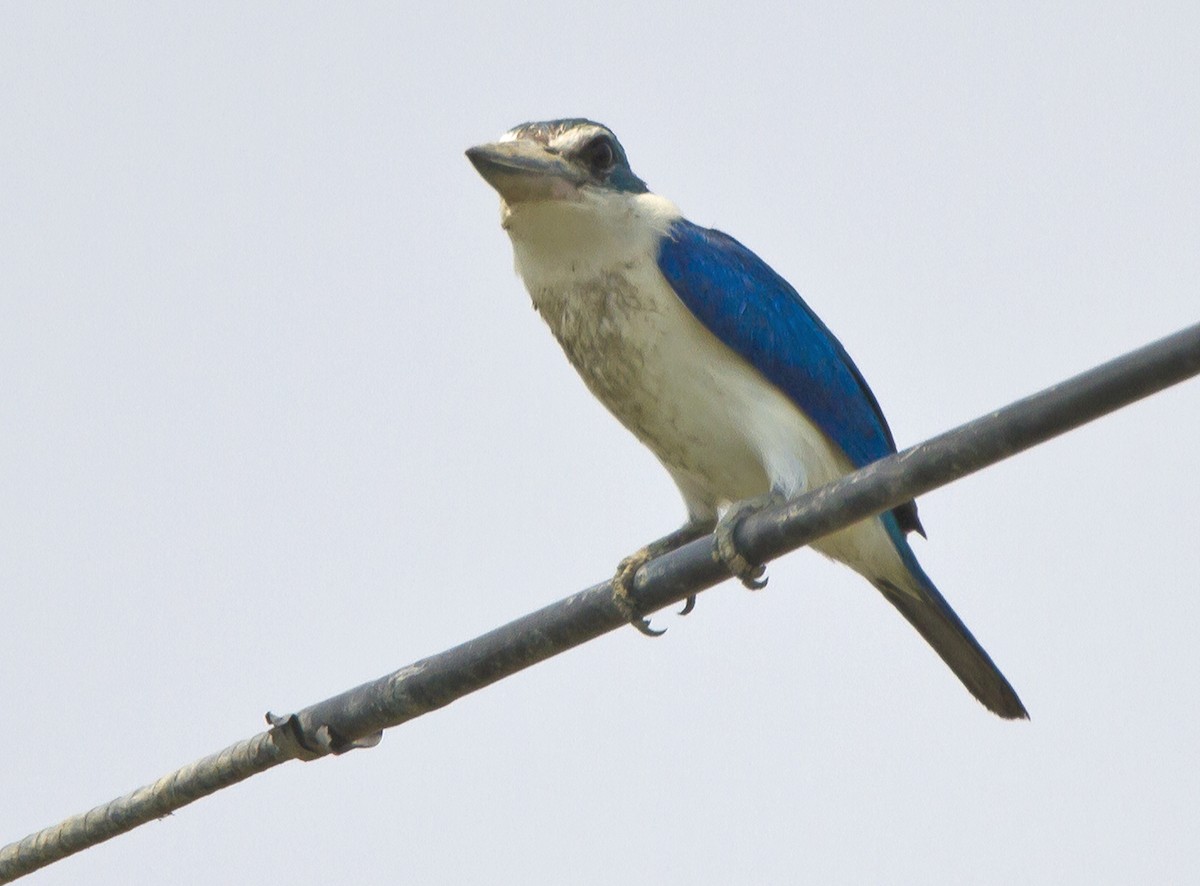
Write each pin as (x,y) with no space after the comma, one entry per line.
(569,201)
(556,160)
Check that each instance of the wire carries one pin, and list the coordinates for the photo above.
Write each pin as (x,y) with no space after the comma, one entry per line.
(357,718)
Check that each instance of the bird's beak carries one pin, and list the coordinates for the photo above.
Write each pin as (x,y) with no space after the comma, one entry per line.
(524,171)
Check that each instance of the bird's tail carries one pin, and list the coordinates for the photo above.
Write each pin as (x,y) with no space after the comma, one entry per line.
(927,610)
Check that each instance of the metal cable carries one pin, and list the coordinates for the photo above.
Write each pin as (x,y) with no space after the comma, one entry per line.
(199,779)
(356,718)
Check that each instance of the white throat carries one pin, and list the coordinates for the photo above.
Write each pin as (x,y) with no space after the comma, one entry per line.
(594,234)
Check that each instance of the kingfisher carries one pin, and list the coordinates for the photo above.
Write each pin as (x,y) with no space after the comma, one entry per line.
(714,362)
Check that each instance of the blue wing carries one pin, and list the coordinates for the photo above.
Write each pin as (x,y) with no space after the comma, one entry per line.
(760,316)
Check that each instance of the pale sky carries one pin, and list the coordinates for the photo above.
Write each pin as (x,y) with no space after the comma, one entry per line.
(276,418)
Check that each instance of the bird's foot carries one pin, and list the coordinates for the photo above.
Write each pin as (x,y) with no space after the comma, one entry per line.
(739,567)
(622,582)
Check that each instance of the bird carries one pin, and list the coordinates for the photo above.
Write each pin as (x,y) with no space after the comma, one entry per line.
(714,362)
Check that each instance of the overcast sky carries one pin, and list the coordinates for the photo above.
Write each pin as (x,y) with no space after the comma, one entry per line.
(276,418)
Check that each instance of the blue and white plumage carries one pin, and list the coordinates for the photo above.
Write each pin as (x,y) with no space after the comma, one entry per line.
(709,357)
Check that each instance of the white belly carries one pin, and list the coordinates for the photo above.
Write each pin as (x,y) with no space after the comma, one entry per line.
(723,432)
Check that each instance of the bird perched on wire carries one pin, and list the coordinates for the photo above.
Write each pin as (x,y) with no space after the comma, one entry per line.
(713,361)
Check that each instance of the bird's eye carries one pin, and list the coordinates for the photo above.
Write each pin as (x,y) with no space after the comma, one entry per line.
(599,154)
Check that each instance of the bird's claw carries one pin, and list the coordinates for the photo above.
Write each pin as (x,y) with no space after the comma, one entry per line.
(643,625)
(750,575)
(621,584)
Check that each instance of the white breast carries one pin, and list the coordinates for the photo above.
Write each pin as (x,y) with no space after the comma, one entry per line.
(721,429)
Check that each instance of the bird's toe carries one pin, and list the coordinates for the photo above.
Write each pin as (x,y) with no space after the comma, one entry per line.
(749,574)
(622,583)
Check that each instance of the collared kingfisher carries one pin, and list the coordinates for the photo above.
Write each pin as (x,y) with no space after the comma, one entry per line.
(713,361)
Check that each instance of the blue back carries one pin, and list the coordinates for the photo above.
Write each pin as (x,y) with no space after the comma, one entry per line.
(757,314)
